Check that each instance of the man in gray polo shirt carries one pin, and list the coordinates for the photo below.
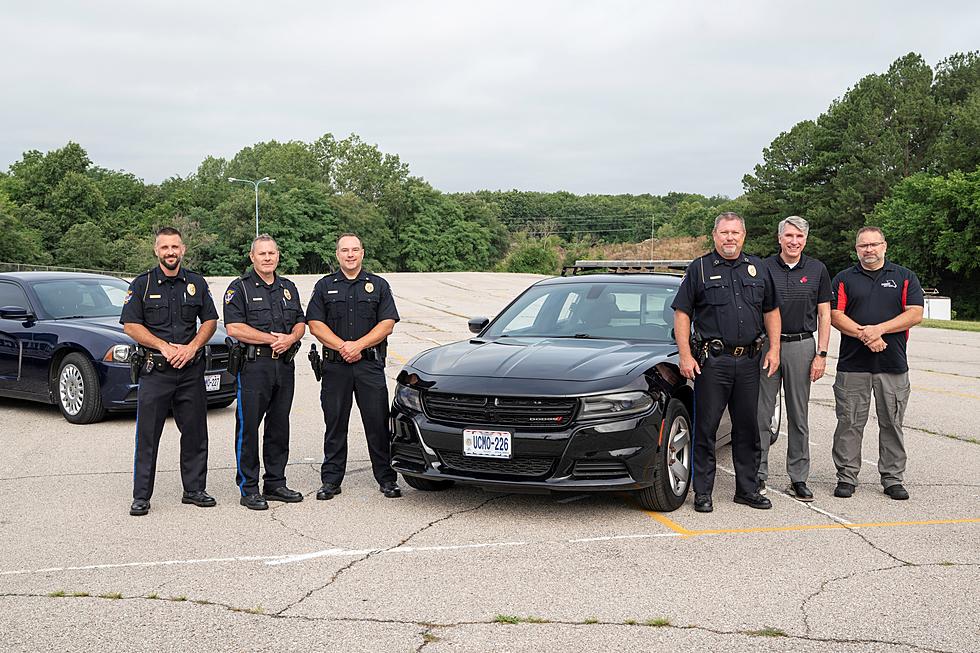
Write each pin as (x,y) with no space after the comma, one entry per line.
(804,286)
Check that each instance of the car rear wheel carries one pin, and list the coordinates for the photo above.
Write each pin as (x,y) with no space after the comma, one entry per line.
(78,392)
(427,485)
(672,470)
(777,418)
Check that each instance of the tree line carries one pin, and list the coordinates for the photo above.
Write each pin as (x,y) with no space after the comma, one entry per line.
(899,149)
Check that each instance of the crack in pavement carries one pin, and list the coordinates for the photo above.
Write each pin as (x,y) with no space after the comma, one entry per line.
(371,554)
(428,627)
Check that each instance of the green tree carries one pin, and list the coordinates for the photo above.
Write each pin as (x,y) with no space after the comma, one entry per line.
(84,246)
(533,255)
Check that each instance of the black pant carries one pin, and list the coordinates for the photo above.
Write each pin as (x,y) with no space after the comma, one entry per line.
(265,390)
(732,382)
(183,390)
(366,381)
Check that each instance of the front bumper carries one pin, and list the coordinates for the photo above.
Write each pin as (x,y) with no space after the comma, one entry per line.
(119,395)
(617,454)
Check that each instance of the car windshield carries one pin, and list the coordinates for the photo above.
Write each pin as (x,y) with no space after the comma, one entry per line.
(623,311)
(61,298)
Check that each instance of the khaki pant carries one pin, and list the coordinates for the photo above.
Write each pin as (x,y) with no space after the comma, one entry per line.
(853,391)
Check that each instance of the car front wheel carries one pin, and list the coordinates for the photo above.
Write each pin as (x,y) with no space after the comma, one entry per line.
(77,390)
(672,470)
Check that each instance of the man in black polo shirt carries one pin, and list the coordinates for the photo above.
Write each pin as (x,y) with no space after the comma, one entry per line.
(803,284)
(352,313)
(730,299)
(875,304)
(161,312)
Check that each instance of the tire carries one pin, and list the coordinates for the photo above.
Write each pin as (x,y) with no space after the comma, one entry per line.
(427,485)
(672,469)
(224,403)
(77,390)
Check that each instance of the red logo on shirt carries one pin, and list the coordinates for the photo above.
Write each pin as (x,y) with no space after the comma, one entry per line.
(803,280)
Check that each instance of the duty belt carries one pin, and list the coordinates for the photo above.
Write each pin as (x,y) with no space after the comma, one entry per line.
(795,337)
(160,361)
(266,350)
(368,354)
(717,347)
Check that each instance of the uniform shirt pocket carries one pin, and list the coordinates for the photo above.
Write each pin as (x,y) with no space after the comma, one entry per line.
(156,314)
(367,308)
(716,293)
(754,290)
(334,308)
(189,311)
(260,316)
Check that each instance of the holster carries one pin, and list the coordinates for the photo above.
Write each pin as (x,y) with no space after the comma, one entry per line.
(699,349)
(236,356)
(290,353)
(136,362)
(315,362)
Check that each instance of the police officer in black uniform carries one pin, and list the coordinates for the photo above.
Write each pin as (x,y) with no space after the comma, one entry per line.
(262,310)
(352,313)
(160,312)
(732,301)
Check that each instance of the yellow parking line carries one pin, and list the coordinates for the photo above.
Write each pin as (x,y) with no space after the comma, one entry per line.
(674,526)
(669,523)
(398,359)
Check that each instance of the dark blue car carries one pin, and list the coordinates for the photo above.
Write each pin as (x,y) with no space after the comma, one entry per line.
(61,343)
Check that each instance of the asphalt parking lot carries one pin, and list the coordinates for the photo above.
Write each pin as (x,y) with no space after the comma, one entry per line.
(467,570)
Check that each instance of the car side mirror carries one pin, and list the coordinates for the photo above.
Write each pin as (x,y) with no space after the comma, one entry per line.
(478,324)
(16,313)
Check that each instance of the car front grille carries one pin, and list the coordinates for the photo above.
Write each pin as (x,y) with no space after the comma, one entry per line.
(524,466)
(528,412)
(600,469)
(217,358)
(407,453)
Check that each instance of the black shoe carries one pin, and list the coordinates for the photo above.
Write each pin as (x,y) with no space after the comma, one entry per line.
(139,508)
(754,500)
(391,490)
(328,491)
(283,494)
(762,487)
(254,502)
(801,492)
(200,498)
(702,503)
(843,490)
(897,492)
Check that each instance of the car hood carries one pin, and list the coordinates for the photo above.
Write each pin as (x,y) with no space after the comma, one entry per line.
(551,359)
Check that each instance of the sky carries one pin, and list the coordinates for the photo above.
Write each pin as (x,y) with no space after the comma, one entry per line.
(587,97)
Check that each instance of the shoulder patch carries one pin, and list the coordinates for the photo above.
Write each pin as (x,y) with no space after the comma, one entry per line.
(129,295)
(229,295)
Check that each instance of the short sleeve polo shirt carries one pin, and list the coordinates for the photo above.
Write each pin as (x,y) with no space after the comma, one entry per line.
(873,297)
(801,288)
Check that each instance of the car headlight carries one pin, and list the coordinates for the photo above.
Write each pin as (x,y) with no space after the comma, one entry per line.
(408,397)
(118,354)
(615,405)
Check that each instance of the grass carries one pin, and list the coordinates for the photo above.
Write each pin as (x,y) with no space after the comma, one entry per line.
(659,622)
(768,631)
(153,595)
(80,595)
(56,593)
(591,620)
(178,598)
(506,619)
(955,325)
(428,638)
(111,595)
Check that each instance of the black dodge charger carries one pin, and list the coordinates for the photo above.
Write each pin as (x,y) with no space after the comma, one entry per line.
(61,343)
(574,386)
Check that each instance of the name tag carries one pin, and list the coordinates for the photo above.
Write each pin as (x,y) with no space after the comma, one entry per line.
(717,276)
(154,296)
(256,299)
(332,292)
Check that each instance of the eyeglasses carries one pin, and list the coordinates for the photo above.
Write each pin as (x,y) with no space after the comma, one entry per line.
(870,245)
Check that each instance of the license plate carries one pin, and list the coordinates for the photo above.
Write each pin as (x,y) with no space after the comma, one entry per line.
(486,444)
(212,382)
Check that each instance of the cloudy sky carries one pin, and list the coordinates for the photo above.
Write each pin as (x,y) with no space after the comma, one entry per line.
(589,97)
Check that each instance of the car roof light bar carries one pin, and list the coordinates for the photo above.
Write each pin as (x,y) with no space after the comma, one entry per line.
(661,266)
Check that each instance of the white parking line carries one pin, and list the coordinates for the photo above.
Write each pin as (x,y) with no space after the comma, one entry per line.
(302,557)
(808,506)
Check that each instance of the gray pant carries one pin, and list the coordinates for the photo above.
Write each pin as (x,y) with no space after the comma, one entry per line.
(795,359)
(853,390)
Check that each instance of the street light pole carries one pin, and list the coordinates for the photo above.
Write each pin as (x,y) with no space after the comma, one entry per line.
(264,180)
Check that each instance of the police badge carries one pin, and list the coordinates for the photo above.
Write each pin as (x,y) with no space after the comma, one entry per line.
(751,270)
(369,287)
(191,290)
(286,293)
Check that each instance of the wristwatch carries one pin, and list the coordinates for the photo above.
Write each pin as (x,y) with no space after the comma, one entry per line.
(822,353)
